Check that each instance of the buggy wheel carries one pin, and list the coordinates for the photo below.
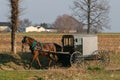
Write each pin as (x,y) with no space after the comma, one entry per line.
(102,58)
(76,59)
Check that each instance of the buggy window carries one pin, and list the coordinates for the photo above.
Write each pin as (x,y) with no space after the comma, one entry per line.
(68,41)
(78,41)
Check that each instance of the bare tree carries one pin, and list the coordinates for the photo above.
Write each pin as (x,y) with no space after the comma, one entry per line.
(93,13)
(45,25)
(66,23)
(14,4)
(24,23)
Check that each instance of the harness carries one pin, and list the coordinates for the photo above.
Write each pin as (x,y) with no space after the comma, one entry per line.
(36,46)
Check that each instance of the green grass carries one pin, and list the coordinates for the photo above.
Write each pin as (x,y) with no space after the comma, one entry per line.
(95,68)
(19,75)
(58,75)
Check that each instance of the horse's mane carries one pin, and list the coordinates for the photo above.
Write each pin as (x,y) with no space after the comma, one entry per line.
(28,37)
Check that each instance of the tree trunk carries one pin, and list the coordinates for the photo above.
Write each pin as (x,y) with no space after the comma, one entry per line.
(89,23)
(14,23)
(13,42)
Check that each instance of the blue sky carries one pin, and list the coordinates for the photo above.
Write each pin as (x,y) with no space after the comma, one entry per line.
(39,11)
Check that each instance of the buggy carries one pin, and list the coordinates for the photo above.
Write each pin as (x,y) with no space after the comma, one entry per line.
(82,50)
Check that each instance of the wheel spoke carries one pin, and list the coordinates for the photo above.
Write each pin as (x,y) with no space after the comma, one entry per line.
(76,59)
(102,58)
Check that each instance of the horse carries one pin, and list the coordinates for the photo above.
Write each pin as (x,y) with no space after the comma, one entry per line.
(38,48)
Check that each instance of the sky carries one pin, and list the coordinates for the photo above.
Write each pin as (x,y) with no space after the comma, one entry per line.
(39,11)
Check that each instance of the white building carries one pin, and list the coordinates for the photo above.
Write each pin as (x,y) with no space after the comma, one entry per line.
(40,29)
(5,27)
(34,29)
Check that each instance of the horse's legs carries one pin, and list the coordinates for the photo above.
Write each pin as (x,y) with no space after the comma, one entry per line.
(32,62)
(38,61)
(50,61)
(34,58)
(56,59)
(53,57)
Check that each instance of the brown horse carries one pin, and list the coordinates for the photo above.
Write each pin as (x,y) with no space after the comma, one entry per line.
(38,48)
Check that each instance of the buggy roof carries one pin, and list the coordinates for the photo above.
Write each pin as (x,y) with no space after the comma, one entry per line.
(78,35)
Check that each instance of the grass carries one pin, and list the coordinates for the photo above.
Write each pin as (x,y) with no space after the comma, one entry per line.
(60,75)
(16,75)
(91,73)
(96,68)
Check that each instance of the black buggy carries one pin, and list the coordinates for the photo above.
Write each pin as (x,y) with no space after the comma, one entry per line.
(82,50)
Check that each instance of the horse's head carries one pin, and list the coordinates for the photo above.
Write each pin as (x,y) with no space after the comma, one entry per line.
(26,41)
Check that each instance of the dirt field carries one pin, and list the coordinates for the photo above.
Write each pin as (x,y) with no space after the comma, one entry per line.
(5,40)
(109,42)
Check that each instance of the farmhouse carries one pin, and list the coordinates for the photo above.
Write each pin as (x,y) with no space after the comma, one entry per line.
(5,27)
(34,29)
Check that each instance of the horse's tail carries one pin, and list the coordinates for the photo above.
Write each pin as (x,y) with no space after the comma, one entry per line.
(58,47)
